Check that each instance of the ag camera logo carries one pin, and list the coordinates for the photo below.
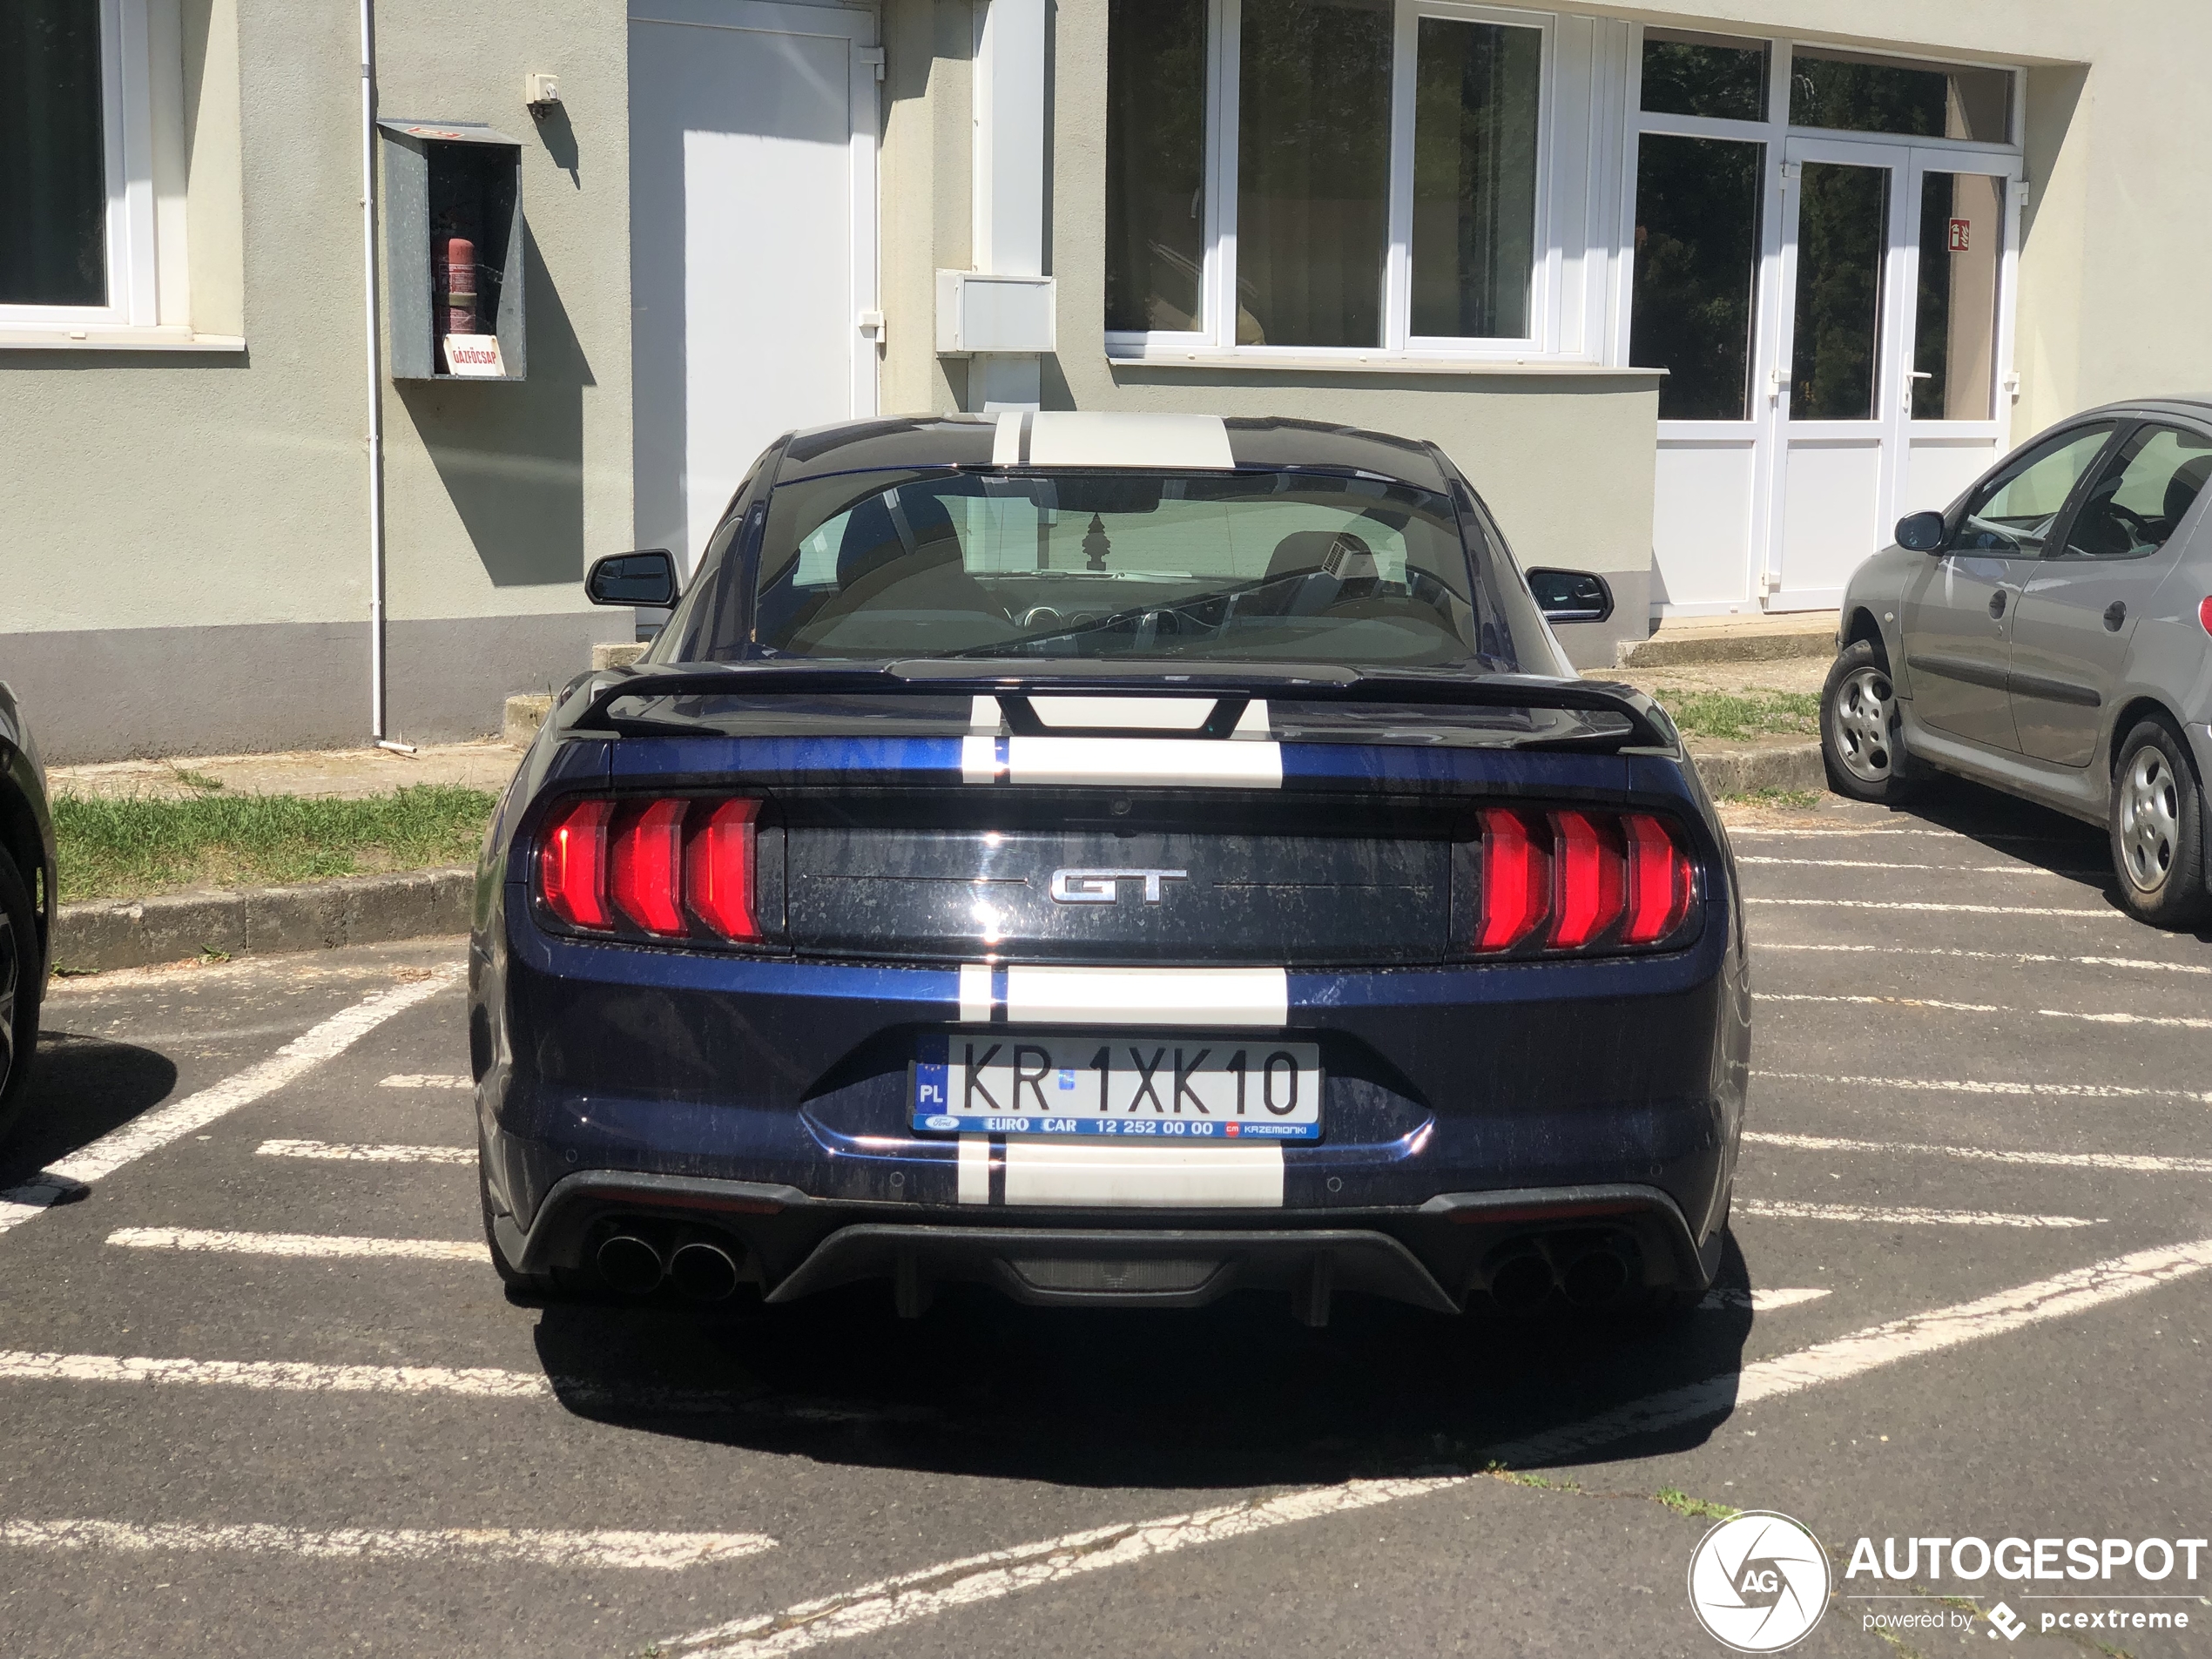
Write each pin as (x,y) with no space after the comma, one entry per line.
(1758,1583)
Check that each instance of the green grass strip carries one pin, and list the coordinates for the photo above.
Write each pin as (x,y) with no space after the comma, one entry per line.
(1732,715)
(132,848)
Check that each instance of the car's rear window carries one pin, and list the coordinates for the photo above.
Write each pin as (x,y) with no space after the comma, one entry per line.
(1255,565)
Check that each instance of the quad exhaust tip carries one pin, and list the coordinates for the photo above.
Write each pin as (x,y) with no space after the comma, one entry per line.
(1587,1279)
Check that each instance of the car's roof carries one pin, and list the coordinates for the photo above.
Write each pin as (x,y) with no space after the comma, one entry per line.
(2195,406)
(1115,439)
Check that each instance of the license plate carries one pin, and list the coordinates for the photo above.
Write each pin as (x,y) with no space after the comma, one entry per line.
(1177,1086)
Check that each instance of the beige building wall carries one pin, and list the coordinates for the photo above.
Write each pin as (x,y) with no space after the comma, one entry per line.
(183,542)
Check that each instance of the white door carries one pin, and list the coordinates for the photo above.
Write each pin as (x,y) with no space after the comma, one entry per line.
(1892,280)
(753,243)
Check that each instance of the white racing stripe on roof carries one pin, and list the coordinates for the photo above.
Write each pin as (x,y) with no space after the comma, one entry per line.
(1149,713)
(1190,762)
(1100,438)
(1953,909)
(1006,439)
(322,1244)
(1171,997)
(1995,956)
(626,1551)
(1904,1215)
(2128,1162)
(888,1603)
(366,1152)
(1978,1085)
(1118,1174)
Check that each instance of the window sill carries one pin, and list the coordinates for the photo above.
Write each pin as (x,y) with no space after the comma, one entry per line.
(61,337)
(1375,363)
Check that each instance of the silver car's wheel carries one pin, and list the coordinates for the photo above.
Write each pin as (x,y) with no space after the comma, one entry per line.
(1860,714)
(2150,820)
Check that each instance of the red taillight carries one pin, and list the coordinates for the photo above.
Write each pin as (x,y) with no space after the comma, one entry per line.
(1580,882)
(717,876)
(671,867)
(2204,615)
(572,864)
(1516,882)
(649,866)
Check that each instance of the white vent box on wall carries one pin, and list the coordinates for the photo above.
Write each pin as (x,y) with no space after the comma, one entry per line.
(981,313)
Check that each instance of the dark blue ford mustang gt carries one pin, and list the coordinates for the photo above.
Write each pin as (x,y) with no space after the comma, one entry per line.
(1117,859)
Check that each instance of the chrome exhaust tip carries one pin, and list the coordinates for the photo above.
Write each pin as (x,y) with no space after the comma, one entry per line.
(630,1265)
(1521,1283)
(704,1272)
(1594,1278)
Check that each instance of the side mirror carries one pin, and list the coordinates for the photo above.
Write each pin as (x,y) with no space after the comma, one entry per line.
(1920,532)
(1571,596)
(646,578)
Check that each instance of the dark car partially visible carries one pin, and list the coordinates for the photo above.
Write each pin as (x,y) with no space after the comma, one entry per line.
(27,883)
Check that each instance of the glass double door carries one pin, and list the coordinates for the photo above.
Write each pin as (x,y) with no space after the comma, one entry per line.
(1883,388)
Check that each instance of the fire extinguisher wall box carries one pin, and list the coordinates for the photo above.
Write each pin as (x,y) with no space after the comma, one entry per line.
(452,191)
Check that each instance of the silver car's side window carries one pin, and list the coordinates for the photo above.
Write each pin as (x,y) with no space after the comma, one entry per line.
(2011,515)
(2138,499)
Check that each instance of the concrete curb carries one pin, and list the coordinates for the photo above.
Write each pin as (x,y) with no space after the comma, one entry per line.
(1738,770)
(316,915)
(1660,651)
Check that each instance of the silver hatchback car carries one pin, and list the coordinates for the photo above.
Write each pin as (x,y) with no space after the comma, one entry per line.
(2050,634)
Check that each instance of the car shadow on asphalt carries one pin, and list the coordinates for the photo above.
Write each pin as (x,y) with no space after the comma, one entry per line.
(2012,828)
(1233,1394)
(80,1087)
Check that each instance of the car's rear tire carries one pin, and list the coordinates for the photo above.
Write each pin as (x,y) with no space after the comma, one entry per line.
(2156,820)
(1861,743)
(23,979)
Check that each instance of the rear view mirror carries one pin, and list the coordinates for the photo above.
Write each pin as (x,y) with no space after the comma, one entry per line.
(646,578)
(1921,532)
(1571,596)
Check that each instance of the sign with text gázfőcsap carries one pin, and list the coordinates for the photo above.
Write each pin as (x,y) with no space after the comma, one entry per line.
(477,355)
(1961,234)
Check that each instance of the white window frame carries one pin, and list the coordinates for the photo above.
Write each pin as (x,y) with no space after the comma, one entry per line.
(144,228)
(1218,291)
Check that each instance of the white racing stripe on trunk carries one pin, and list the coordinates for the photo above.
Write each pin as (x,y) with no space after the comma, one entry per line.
(1766,1301)
(1133,713)
(1951,909)
(910,1598)
(984,714)
(366,1152)
(975,993)
(1904,1215)
(2179,1022)
(979,761)
(1171,997)
(425,1080)
(1119,1174)
(153,1131)
(237,1243)
(1191,762)
(663,1552)
(1975,1086)
(1997,956)
(2127,1163)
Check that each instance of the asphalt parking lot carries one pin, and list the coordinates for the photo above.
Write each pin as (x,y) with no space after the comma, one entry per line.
(260,1393)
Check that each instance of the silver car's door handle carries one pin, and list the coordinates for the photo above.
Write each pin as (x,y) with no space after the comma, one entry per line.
(2115,614)
(1997,602)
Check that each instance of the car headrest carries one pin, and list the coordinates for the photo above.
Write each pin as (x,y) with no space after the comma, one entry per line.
(2184,487)
(872,538)
(1343,555)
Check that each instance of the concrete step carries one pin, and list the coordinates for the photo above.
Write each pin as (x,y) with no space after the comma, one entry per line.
(525,713)
(1754,638)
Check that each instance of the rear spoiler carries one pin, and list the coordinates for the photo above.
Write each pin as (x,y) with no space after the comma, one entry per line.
(1648,726)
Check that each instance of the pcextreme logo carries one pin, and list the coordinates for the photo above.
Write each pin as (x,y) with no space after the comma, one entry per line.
(1758,1583)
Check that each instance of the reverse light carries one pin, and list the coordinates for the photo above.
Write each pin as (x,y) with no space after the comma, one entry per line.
(670,868)
(1581,881)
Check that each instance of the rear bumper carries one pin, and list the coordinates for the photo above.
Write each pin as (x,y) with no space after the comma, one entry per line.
(1433,1256)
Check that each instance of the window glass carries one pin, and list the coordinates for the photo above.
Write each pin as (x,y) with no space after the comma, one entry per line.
(1314,164)
(1861,92)
(1474,177)
(1156,164)
(53,156)
(1280,566)
(1714,75)
(1843,233)
(2012,514)
(1697,268)
(1954,337)
(2143,493)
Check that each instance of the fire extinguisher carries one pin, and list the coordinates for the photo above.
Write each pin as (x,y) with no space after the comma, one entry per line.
(456,284)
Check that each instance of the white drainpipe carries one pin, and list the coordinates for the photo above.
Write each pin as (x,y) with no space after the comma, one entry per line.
(376,732)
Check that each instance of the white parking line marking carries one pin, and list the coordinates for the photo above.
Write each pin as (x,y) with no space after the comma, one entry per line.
(157,1128)
(425,1080)
(909,1597)
(1998,956)
(366,1152)
(2183,1022)
(2040,840)
(1976,1086)
(1905,1215)
(1951,909)
(664,1552)
(235,1243)
(2129,1163)
(1763,1301)
(1876,864)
